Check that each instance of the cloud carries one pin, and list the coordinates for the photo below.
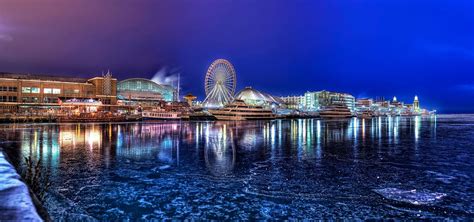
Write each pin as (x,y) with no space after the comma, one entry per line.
(5,38)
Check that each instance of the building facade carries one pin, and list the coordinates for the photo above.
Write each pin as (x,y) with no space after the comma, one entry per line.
(139,91)
(293,102)
(314,101)
(19,91)
(311,101)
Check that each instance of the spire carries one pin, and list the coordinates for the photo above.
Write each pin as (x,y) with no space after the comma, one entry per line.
(394,99)
(416,98)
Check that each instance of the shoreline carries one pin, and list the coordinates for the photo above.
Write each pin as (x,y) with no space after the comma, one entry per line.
(55,120)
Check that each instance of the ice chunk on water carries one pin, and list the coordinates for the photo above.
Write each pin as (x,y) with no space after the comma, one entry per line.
(447,179)
(165,167)
(410,196)
(16,204)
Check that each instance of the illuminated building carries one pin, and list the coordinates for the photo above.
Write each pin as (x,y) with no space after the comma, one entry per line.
(314,101)
(318,100)
(364,102)
(311,100)
(293,102)
(139,91)
(396,103)
(25,91)
(254,97)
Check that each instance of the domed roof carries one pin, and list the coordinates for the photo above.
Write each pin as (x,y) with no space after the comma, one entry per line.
(253,96)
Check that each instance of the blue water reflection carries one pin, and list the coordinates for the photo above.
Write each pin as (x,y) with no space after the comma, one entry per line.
(306,168)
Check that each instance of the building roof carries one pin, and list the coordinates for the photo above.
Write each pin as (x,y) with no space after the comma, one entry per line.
(252,94)
(122,85)
(41,77)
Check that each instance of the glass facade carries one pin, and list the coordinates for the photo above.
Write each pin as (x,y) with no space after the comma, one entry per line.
(144,88)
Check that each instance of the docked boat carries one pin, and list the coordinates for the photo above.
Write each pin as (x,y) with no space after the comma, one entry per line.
(158,114)
(238,110)
(335,111)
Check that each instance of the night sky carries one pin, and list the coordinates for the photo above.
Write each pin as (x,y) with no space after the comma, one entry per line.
(367,48)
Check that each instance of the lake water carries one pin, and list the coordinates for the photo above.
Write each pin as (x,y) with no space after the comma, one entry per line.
(282,169)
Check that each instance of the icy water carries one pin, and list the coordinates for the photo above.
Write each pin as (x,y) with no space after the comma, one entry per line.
(283,169)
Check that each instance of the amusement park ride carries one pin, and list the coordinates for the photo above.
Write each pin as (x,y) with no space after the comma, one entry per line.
(220,83)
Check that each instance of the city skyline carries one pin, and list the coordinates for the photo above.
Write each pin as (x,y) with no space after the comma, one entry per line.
(362,48)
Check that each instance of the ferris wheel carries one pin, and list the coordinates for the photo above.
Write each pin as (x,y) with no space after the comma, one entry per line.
(219,83)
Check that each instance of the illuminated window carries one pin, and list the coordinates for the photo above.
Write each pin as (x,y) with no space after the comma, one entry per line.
(26,89)
(47,90)
(56,91)
(35,90)
(76,91)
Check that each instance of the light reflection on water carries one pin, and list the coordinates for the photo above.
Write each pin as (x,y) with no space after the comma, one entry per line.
(323,160)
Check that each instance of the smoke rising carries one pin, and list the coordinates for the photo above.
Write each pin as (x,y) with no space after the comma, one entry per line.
(166,76)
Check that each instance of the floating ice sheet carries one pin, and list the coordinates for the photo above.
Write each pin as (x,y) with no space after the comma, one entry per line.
(414,196)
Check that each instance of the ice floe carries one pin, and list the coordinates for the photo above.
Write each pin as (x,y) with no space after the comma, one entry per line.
(414,196)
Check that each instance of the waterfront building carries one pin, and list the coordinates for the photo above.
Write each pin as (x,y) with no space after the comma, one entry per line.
(20,92)
(318,100)
(364,102)
(395,103)
(311,101)
(293,102)
(140,91)
(315,101)
(256,98)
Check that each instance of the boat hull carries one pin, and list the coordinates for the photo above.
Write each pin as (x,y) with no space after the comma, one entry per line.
(240,118)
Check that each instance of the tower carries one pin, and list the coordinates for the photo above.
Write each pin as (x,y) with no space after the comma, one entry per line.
(107,85)
(416,104)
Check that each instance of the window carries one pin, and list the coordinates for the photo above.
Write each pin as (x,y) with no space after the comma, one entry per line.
(26,89)
(56,91)
(47,90)
(30,89)
(71,91)
(8,89)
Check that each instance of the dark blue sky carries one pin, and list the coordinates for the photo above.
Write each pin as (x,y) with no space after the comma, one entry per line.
(364,47)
